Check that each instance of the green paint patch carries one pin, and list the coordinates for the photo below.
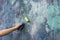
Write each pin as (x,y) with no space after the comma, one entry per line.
(53,18)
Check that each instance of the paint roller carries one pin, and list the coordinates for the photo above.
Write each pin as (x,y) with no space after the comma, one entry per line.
(26,21)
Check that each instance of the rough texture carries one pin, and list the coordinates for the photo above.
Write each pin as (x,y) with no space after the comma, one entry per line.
(44,18)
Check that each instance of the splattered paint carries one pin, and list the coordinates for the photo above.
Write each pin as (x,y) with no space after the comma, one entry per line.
(44,18)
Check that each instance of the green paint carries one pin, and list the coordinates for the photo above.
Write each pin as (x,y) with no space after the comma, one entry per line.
(54,22)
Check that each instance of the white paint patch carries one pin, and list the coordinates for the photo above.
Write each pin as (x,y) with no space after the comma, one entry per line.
(39,8)
(12,1)
(47,29)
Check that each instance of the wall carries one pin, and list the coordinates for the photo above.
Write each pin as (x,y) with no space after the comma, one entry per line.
(44,18)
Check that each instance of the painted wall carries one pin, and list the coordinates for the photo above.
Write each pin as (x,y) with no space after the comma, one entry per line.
(44,18)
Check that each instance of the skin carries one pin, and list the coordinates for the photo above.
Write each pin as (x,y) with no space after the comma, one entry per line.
(7,31)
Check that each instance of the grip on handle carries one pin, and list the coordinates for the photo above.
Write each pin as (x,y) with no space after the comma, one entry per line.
(23,24)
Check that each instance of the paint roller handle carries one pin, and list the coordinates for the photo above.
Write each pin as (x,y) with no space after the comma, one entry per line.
(21,26)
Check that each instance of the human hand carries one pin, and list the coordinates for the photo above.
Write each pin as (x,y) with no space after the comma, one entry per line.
(20,26)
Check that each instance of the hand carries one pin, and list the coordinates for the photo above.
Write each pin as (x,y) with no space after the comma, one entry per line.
(20,25)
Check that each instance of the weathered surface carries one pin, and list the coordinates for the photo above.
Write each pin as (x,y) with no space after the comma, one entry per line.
(44,18)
